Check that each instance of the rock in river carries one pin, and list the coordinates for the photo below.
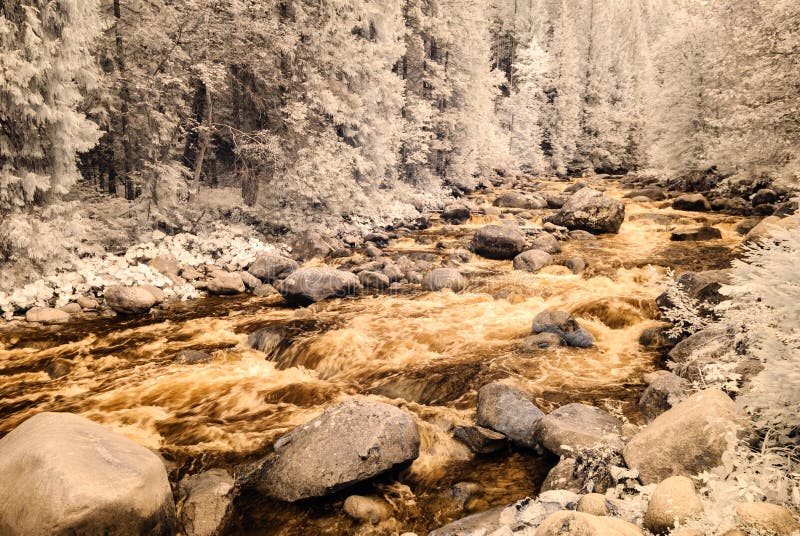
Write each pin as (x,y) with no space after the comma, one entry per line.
(64,474)
(206,502)
(349,443)
(442,278)
(589,210)
(47,315)
(226,284)
(532,260)
(129,300)
(508,410)
(309,285)
(565,326)
(498,242)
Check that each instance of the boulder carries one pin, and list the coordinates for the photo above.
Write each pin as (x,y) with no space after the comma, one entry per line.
(250,281)
(190,274)
(369,509)
(674,502)
(652,194)
(696,234)
(376,280)
(64,474)
(556,200)
(498,242)
(442,278)
(686,440)
(269,267)
(372,251)
(766,518)
(166,264)
(310,244)
(226,284)
(379,238)
(47,315)
(71,308)
(479,439)
(691,203)
(575,264)
(562,476)
(663,392)
(457,213)
(565,326)
(768,225)
(58,368)
(575,427)
(532,260)
(569,523)
(764,196)
(519,200)
(266,340)
(349,443)
(205,502)
(509,411)
(594,504)
(88,303)
(589,210)
(545,242)
(309,285)
(480,524)
(129,300)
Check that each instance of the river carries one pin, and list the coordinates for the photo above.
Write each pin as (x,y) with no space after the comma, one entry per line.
(427,352)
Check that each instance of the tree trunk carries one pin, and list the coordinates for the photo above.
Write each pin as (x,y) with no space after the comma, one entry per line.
(205,137)
(124,97)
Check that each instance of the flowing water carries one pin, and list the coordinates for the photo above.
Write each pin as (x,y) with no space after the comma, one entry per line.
(427,353)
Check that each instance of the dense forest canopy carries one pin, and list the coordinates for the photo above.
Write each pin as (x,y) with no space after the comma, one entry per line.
(346,113)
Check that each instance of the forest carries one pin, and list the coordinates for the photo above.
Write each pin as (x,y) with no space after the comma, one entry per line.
(534,261)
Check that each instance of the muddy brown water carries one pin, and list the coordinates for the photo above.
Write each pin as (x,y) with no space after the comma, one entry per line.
(427,353)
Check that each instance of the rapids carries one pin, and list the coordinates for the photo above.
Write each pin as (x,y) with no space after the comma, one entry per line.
(427,352)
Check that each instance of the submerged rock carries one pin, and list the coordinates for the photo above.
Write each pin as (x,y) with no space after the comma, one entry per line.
(192,357)
(129,300)
(508,410)
(686,440)
(376,280)
(565,326)
(572,428)
(266,340)
(442,278)
(500,242)
(696,234)
(309,285)
(589,210)
(206,502)
(349,443)
(64,474)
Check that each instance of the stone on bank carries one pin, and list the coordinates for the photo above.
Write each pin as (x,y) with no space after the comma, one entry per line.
(64,474)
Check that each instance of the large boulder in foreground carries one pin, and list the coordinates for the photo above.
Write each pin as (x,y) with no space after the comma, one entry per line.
(500,242)
(686,440)
(63,474)
(589,210)
(575,427)
(565,326)
(129,300)
(349,443)
(309,285)
(269,267)
(508,410)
